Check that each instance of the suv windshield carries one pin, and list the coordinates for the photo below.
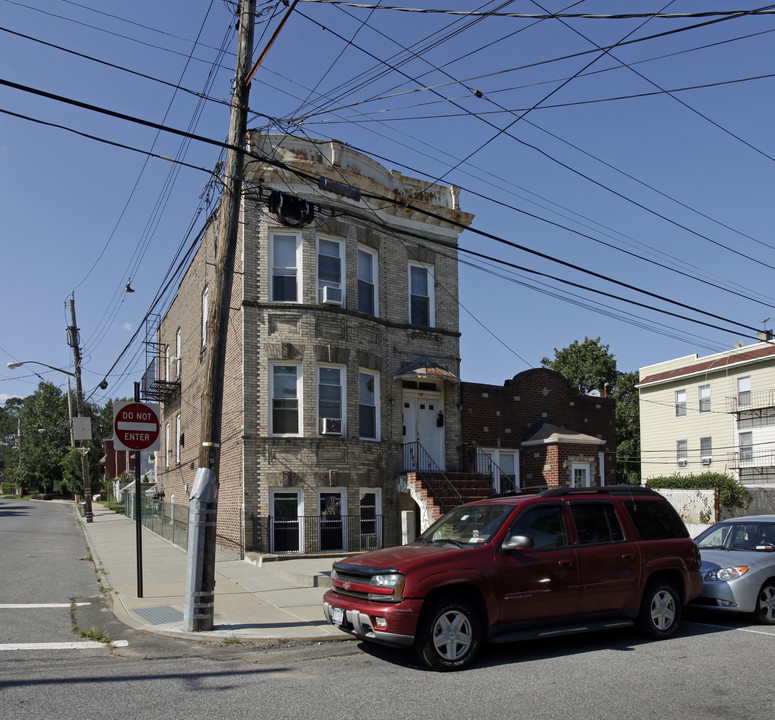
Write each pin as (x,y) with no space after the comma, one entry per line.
(467,526)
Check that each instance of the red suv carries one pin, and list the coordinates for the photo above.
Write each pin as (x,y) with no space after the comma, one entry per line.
(517,567)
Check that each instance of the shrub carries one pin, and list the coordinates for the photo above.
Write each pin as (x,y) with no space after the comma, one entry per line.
(730,492)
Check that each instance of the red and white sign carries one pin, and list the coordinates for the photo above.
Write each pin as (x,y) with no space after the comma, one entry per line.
(136,426)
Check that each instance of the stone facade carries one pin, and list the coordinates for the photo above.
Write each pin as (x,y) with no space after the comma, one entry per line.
(342,345)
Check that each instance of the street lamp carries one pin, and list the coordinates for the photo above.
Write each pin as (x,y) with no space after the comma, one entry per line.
(79,399)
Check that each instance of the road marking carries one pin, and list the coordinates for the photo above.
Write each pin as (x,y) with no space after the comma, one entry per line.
(78,645)
(39,606)
(734,629)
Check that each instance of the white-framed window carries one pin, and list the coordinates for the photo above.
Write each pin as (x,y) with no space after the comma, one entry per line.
(286,527)
(178,439)
(745,442)
(368,405)
(285,259)
(421,300)
(167,373)
(178,351)
(331,384)
(682,453)
(680,403)
(704,396)
(371,518)
(205,313)
(286,399)
(330,271)
(367,282)
(167,448)
(744,391)
(706,450)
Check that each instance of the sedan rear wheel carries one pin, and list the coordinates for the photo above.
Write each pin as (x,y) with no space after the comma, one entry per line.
(765,604)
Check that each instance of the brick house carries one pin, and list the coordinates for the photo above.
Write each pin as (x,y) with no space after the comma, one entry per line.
(536,431)
(342,352)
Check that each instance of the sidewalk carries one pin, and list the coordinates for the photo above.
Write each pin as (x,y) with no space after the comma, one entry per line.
(277,601)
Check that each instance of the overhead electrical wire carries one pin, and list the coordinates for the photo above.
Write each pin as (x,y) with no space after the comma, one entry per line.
(505,131)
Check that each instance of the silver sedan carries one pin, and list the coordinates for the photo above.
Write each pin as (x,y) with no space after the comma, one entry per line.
(738,567)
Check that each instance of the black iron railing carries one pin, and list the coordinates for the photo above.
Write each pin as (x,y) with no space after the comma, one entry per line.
(317,534)
(417,459)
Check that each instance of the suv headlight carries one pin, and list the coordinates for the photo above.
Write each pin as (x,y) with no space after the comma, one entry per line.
(726,574)
(387,588)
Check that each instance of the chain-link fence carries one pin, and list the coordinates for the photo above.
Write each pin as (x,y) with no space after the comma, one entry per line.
(696,507)
(170,521)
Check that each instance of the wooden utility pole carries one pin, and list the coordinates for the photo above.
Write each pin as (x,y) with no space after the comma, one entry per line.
(74,340)
(227,240)
(203,504)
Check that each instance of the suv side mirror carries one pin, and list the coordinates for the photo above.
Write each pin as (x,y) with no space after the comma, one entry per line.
(518,542)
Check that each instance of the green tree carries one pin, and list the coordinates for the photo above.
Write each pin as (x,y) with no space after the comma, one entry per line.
(72,470)
(9,440)
(589,366)
(45,437)
(586,366)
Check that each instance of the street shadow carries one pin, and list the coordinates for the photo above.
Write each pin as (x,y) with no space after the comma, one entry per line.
(8,509)
(516,653)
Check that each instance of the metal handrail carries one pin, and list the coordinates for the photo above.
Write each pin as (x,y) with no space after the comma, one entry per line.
(418,459)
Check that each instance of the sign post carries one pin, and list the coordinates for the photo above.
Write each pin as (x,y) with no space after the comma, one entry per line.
(136,428)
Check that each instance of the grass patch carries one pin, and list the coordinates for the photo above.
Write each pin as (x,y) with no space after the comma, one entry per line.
(93,634)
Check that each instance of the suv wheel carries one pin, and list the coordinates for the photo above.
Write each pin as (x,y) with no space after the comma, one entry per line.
(449,635)
(765,604)
(660,611)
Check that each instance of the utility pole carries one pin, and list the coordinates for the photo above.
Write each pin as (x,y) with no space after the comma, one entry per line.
(203,505)
(73,340)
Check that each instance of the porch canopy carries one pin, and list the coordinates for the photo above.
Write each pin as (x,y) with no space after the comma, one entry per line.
(423,368)
(548,434)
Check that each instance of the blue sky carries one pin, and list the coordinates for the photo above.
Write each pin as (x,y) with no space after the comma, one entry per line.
(559,147)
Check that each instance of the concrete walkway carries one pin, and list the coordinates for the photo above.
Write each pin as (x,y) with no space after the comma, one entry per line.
(254,600)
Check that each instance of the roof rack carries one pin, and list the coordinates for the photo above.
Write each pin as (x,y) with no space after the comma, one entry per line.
(627,490)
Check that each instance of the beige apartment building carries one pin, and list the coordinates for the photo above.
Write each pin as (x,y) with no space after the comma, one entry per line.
(342,351)
(713,413)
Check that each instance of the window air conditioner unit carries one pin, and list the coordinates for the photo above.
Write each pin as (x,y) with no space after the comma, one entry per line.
(330,426)
(706,460)
(331,295)
(683,463)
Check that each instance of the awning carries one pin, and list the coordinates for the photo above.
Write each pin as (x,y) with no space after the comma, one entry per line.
(548,434)
(424,367)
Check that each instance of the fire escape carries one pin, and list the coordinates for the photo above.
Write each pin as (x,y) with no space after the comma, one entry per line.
(152,387)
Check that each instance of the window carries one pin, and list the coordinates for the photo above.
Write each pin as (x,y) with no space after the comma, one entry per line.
(744,391)
(704,393)
(285,267)
(682,452)
(420,296)
(178,350)
(706,450)
(367,282)
(680,403)
(167,448)
(178,444)
(746,447)
(205,314)
(368,401)
(330,273)
(330,384)
(656,520)
(544,525)
(596,523)
(285,399)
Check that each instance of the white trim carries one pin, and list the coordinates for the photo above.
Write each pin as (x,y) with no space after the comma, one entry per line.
(342,395)
(299,403)
(377,404)
(429,269)
(298,267)
(374,254)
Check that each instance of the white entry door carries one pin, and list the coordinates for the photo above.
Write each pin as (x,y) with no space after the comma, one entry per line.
(580,477)
(424,423)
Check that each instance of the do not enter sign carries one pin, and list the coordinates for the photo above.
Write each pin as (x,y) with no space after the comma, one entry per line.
(136,426)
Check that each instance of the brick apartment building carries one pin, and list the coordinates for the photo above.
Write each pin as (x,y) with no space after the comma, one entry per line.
(342,351)
(536,431)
